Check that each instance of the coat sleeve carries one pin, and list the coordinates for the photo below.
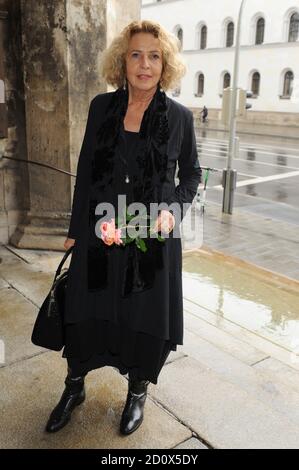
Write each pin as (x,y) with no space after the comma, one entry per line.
(83,174)
(190,172)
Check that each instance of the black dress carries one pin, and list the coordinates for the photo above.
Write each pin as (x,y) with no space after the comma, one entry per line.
(120,339)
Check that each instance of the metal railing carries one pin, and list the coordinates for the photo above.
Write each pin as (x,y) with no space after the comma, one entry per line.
(201,199)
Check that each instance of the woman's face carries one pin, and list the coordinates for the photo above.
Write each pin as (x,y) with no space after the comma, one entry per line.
(144,61)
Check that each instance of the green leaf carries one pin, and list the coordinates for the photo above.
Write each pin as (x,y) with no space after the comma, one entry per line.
(129,217)
(141,244)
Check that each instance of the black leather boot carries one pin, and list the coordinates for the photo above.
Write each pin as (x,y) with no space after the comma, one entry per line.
(73,395)
(132,415)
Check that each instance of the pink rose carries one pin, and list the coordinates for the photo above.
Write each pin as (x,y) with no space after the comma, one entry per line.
(165,222)
(103,226)
(118,239)
(109,234)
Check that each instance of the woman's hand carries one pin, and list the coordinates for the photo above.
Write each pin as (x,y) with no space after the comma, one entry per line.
(68,243)
(165,222)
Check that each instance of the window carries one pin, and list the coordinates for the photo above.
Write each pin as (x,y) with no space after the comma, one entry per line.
(260,30)
(294,27)
(230,34)
(288,84)
(200,85)
(255,85)
(203,37)
(226,80)
(180,36)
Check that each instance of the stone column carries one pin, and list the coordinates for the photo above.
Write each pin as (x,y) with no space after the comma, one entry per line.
(62,45)
(3,107)
(3,121)
(14,194)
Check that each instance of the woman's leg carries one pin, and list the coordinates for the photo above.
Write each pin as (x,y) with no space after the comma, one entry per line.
(132,415)
(73,395)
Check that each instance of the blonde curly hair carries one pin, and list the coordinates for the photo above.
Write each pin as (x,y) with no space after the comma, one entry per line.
(113,65)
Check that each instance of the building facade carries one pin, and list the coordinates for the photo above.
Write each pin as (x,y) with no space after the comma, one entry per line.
(269,53)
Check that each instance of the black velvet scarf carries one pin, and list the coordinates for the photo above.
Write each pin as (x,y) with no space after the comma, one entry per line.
(140,267)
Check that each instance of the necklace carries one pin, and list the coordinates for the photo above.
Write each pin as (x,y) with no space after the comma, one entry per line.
(124,160)
(127,178)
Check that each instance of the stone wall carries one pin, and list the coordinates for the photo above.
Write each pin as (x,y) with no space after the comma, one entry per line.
(52,53)
(14,184)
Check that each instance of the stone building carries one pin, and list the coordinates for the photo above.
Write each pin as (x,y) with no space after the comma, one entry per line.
(49,71)
(269,65)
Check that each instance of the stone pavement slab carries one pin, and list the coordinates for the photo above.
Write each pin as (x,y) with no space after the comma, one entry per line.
(266,242)
(17,317)
(269,348)
(30,279)
(3,283)
(32,388)
(47,260)
(223,414)
(243,300)
(256,381)
(226,387)
(222,339)
(192,443)
(277,370)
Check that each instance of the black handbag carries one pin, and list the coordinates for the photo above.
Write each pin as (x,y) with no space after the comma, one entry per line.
(48,330)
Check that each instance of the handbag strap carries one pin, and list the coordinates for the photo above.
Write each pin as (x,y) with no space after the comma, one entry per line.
(68,251)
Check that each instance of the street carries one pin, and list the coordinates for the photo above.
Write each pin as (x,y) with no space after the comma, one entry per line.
(267,173)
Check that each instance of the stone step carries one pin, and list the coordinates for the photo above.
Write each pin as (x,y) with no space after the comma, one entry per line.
(275,369)
(272,391)
(221,338)
(222,413)
(248,337)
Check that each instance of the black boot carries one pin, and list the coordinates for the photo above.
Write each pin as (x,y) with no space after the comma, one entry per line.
(73,395)
(132,415)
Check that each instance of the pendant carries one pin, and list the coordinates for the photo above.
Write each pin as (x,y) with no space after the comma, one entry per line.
(127,179)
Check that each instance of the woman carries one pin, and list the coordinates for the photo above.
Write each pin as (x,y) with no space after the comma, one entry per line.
(124,305)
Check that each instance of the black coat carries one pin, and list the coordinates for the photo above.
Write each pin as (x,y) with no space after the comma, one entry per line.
(162,305)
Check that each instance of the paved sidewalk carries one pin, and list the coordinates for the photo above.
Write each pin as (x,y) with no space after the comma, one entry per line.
(266,242)
(233,384)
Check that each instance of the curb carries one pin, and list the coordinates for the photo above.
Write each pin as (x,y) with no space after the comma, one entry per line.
(261,134)
(265,274)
